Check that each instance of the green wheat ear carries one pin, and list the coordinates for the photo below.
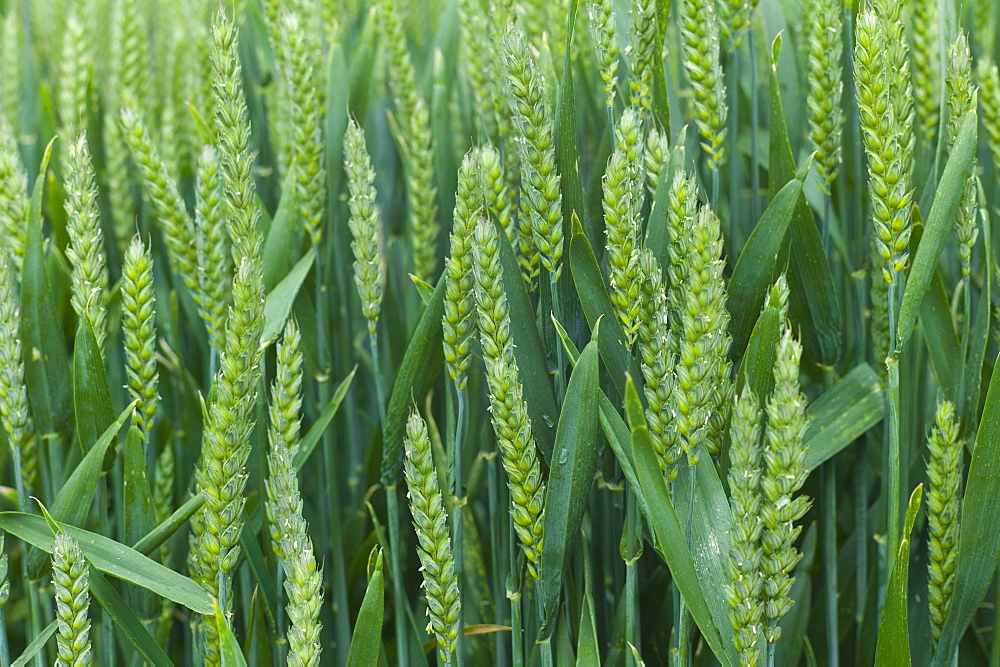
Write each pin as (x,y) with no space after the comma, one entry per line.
(15,412)
(86,248)
(961,99)
(72,592)
(826,85)
(700,40)
(13,196)
(139,329)
(623,200)
(944,472)
(459,303)
(745,554)
(430,521)
(509,412)
(784,475)
(365,225)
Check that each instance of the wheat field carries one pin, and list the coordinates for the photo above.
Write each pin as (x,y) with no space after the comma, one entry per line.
(517,332)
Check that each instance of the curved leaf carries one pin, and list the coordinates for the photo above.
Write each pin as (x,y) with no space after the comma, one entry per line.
(113,558)
(366,642)
(938,227)
(893,633)
(571,477)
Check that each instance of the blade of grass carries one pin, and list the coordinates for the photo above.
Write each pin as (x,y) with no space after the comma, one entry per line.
(938,227)
(571,478)
(366,642)
(893,633)
(125,619)
(113,558)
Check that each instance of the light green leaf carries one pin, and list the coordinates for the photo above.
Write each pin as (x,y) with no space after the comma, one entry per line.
(91,395)
(312,438)
(366,642)
(666,528)
(280,299)
(843,414)
(113,558)
(571,478)
(939,223)
(125,619)
(893,632)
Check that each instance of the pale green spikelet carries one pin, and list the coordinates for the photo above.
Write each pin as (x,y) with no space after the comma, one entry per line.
(657,364)
(86,248)
(495,184)
(13,196)
(283,505)
(226,444)
(14,409)
(681,213)
(700,42)
(944,473)
(306,133)
(416,144)
(163,492)
(475,33)
(888,179)
(139,329)
(74,76)
(72,593)
(622,203)
(430,521)
(459,301)
(304,588)
(824,74)
(785,473)
(704,341)
(642,53)
(289,535)
(509,412)
(539,178)
(212,244)
(365,225)
(657,155)
(989,104)
(961,99)
(11,57)
(422,194)
(744,593)
(897,53)
(603,32)
(923,24)
(734,20)
(162,193)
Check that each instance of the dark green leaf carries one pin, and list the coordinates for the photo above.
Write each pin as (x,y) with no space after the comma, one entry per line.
(229,648)
(125,620)
(571,477)
(155,538)
(312,438)
(46,365)
(893,632)
(939,333)
(91,395)
(529,352)
(138,514)
(280,299)
(418,371)
(939,223)
(757,267)
(812,298)
(843,414)
(366,642)
(36,645)
(279,252)
(113,558)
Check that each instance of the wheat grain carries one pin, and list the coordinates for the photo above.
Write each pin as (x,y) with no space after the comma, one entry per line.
(72,592)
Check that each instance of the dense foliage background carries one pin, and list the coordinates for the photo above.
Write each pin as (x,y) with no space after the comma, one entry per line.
(625,332)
